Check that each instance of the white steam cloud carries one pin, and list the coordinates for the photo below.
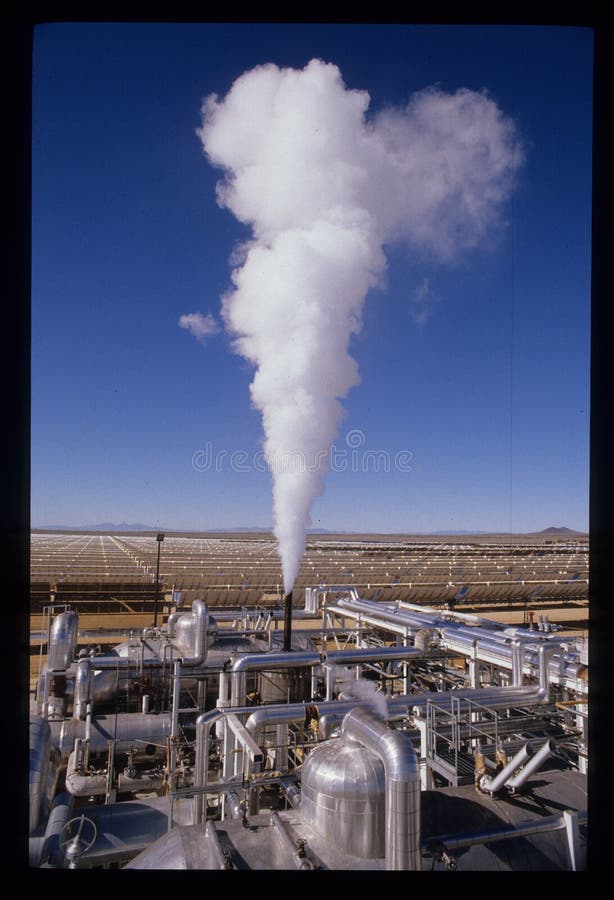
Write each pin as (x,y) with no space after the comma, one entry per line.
(324,189)
(201,326)
(362,690)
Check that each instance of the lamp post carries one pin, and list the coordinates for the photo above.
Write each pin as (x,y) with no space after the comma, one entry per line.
(159,539)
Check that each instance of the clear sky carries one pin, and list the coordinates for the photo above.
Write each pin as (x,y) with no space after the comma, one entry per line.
(472,411)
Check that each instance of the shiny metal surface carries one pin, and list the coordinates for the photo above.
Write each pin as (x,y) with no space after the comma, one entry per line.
(544,753)
(83,687)
(200,619)
(142,731)
(342,797)
(40,743)
(402,785)
(493,784)
(62,641)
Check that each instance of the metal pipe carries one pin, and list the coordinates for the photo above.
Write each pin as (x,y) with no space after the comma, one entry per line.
(494,644)
(204,723)
(288,622)
(201,615)
(83,687)
(264,662)
(291,791)
(291,850)
(521,829)
(517,649)
(216,848)
(332,712)
(548,750)
(62,641)
(411,704)
(373,654)
(58,818)
(159,539)
(170,624)
(402,785)
(492,785)
(231,799)
(148,732)
(40,742)
(80,785)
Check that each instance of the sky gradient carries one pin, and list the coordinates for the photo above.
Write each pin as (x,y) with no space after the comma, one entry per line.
(472,411)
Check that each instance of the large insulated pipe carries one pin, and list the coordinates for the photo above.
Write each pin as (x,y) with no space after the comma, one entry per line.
(40,747)
(62,641)
(373,654)
(494,645)
(83,687)
(264,662)
(398,705)
(47,848)
(544,753)
(171,622)
(288,622)
(310,658)
(213,839)
(201,617)
(493,784)
(291,850)
(402,785)
(517,656)
(146,732)
(275,714)
(80,785)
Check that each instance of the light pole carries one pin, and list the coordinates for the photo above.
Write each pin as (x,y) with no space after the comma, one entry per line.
(159,539)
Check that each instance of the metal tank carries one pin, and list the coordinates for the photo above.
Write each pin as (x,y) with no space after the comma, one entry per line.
(342,797)
(43,771)
(63,641)
(289,686)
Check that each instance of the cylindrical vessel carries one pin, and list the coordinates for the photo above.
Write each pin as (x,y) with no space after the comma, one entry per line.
(285,686)
(147,733)
(62,641)
(342,797)
(40,740)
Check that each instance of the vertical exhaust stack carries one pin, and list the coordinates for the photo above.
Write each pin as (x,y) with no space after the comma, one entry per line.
(288,621)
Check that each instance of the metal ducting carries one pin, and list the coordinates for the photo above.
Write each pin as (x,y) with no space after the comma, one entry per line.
(402,785)
(62,641)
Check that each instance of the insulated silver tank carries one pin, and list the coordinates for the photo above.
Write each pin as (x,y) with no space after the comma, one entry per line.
(342,797)
(63,641)
(40,742)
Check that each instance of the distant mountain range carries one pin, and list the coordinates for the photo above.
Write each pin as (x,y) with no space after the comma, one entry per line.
(110,527)
(104,526)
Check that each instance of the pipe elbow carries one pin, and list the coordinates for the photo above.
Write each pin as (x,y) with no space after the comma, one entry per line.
(201,617)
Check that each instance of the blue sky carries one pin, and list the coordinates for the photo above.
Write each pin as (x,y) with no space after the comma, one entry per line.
(474,394)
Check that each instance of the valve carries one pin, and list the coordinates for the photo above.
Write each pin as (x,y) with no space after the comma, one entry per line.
(77,839)
(438,853)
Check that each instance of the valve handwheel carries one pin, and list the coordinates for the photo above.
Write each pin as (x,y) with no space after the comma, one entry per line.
(76,837)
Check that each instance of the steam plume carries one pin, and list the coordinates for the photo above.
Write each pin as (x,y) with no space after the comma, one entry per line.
(324,189)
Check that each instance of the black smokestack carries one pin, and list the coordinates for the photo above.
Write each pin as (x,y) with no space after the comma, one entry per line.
(288,621)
